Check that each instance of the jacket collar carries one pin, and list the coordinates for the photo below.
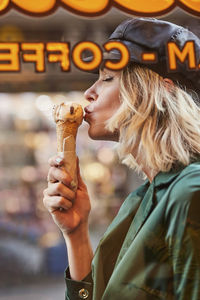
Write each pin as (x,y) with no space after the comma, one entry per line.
(165,178)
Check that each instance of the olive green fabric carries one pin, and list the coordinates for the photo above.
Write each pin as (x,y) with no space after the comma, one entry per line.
(151,250)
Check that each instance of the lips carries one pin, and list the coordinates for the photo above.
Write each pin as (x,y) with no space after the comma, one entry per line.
(88,110)
(87,117)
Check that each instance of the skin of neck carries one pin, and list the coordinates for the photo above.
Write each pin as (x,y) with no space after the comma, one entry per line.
(148,171)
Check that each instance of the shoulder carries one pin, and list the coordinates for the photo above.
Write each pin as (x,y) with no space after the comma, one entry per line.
(187,182)
(184,194)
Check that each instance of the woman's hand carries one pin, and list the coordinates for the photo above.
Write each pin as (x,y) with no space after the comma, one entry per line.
(69,209)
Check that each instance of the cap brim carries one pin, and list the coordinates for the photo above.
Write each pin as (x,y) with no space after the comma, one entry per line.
(114,56)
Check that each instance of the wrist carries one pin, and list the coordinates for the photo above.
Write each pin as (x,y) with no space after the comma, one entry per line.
(80,234)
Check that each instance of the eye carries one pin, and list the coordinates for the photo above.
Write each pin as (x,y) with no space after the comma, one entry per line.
(108,79)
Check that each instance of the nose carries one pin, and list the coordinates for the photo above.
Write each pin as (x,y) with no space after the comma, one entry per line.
(90,94)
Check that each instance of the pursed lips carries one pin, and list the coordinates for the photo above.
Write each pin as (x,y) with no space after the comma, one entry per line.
(88,110)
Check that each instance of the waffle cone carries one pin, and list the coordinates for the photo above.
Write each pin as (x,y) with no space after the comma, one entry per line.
(64,130)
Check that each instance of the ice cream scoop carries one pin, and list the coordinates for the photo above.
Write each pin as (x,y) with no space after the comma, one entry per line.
(68,118)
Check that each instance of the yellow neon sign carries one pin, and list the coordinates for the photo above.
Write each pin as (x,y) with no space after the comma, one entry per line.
(59,52)
(91,8)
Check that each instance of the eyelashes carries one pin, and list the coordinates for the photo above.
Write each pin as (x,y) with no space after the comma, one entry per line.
(108,79)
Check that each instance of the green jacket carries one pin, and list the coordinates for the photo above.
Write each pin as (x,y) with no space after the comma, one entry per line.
(151,250)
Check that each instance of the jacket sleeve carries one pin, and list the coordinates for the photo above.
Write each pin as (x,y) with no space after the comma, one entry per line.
(76,290)
(183,237)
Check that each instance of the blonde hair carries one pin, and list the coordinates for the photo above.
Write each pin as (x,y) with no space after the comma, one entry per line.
(161,121)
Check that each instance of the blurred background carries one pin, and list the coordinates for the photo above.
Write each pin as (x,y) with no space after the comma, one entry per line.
(33,256)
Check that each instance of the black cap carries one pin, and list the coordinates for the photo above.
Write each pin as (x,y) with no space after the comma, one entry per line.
(150,35)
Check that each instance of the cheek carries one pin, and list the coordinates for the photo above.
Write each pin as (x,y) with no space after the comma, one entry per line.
(108,104)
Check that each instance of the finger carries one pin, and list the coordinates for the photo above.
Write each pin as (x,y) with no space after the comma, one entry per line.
(59,189)
(45,192)
(56,160)
(59,174)
(50,179)
(56,202)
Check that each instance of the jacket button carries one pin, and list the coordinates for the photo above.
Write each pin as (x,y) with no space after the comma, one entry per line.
(83,294)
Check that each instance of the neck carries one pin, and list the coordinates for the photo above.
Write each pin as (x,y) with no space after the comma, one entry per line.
(150,173)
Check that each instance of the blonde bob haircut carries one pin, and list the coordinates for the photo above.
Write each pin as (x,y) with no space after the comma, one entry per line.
(158,122)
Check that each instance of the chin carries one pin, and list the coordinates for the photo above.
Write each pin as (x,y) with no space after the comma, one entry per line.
(103,135)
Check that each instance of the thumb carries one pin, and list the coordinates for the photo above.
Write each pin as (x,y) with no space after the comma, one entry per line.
(81,183)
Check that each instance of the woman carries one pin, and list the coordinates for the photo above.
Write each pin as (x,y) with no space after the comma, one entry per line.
(151,250)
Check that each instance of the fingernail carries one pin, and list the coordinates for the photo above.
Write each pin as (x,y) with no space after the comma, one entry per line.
(58,160)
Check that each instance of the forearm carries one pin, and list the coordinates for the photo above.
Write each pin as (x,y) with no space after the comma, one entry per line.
(80,252)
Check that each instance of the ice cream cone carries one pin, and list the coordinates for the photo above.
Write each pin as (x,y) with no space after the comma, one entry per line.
(64,130)
(68,118)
